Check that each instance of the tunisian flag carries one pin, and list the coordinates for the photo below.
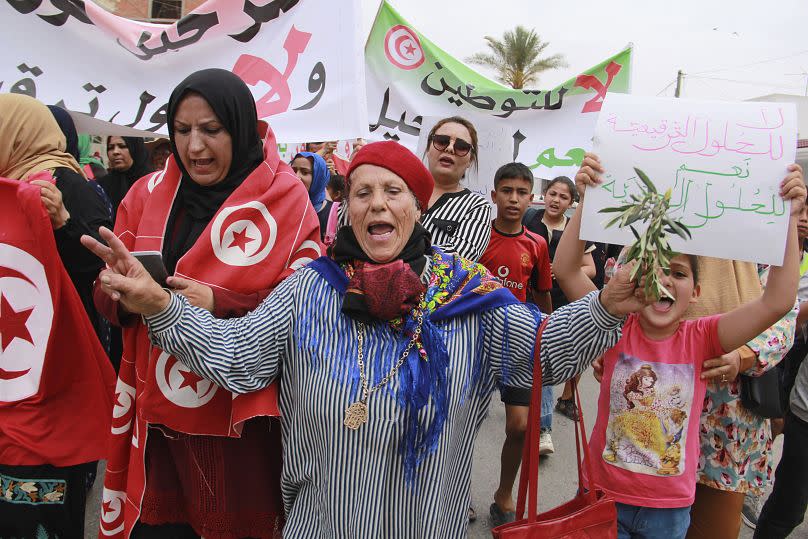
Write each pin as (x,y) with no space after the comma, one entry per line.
(264,231)
(55,379)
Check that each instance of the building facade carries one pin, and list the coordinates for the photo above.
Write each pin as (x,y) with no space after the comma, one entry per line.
(151,10)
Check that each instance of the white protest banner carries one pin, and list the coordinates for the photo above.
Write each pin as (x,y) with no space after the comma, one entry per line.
(494,151)
(410,78)
(722,161)
(302,59)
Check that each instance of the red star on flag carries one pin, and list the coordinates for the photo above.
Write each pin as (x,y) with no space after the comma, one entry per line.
(190,379)
(410,49)
(241,239)
(13,323)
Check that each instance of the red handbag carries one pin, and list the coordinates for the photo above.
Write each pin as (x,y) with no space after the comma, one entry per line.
(591,514)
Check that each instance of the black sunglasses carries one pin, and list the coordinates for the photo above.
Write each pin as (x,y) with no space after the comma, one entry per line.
(441,142)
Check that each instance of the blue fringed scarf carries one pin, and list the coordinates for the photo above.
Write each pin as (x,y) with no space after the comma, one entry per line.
(457,287)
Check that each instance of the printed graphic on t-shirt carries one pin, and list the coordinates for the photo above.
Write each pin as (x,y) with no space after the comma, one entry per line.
(648,416)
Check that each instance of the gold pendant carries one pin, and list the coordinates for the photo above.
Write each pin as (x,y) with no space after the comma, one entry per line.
(356,415)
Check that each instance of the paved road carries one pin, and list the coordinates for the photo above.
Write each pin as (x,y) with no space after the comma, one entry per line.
(557,477)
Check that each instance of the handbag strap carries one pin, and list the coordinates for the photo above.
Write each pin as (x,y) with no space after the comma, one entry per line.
(583,447)
(529,474)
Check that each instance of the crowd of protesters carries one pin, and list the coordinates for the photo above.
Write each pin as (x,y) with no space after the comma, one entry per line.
(309,348)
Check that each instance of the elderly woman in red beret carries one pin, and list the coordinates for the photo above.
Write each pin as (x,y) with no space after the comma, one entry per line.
(387,351)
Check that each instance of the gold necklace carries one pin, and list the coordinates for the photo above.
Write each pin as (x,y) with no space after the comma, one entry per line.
(356,414)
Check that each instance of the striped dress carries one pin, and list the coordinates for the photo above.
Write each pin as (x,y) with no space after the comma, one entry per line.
(343,483)
(460,223)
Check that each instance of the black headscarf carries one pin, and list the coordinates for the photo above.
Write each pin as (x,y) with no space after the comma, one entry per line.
(196,204)
(117,183)
(68,128)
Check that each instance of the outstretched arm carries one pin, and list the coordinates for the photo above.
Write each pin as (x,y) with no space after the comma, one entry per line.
(569,272)
(740,325)
(239,354)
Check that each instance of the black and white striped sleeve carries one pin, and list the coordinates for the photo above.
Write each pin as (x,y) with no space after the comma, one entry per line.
(574,337)
(239,354)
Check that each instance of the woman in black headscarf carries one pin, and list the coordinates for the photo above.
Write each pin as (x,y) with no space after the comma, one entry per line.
(88,211)
(128,162)
(225,214)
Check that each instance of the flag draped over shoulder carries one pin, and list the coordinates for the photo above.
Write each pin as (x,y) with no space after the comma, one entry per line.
(264,231)
(56,381)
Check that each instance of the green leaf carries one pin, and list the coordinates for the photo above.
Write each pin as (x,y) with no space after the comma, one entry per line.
(617,209)
(613,222)
(648,183)
(680,229)
(685,228)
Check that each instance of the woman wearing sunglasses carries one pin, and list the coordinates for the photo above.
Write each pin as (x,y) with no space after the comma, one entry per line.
(458,219)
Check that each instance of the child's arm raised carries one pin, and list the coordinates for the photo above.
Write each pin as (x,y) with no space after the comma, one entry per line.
(567,268)
(740,325)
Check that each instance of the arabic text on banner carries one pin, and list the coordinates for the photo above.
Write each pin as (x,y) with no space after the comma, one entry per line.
(722,161)
(410,78)
(123,71)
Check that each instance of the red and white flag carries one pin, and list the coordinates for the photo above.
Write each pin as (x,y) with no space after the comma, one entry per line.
(55,379)
(264,231)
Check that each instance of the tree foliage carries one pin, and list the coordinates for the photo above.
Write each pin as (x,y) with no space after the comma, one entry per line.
(517,57)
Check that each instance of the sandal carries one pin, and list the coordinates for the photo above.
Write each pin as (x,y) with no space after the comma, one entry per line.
(500,517)
(567,408)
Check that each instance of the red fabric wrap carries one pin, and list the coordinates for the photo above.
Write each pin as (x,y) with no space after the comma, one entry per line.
(388,290)
(399,160)
(240,475)
(61,416)
(263,232)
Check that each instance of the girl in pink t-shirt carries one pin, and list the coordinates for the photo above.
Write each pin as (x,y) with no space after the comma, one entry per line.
(645,444)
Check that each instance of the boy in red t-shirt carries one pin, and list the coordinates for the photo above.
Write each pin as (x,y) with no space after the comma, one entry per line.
(520,260)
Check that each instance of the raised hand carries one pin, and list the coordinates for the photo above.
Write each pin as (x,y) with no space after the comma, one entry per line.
(588,174)
(623,295)
(125,279)
(793,188)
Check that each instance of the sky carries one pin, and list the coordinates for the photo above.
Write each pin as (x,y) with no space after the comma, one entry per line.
(728,50)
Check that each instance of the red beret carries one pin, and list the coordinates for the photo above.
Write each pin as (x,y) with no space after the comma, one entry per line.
(400,161)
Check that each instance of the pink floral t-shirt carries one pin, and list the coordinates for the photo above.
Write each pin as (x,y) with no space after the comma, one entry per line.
(645,445)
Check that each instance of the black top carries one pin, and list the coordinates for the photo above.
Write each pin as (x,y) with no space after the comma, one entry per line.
(87,213)
(537,226)
(322,216)
(116,183)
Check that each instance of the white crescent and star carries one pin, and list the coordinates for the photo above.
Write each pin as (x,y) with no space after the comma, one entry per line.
(243,235)
(181,386)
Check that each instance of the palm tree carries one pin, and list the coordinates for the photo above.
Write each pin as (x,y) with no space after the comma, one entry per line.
(516,57)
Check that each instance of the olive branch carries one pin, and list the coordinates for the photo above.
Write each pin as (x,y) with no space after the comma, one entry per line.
(650,249)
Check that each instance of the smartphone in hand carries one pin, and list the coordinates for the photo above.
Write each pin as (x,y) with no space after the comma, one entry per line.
(153,262)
